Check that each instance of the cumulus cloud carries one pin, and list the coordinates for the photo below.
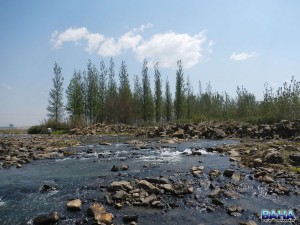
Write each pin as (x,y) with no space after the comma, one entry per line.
(166,48)
(169,47)
(242,56)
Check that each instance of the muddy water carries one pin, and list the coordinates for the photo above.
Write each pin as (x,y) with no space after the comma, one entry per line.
(85,174)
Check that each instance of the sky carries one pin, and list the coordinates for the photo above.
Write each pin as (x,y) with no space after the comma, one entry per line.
(225,43)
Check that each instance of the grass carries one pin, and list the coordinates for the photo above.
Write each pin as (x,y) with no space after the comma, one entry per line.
(295,169)
(57,132)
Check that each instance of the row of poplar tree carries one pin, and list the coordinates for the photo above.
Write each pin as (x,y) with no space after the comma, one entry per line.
(94,96)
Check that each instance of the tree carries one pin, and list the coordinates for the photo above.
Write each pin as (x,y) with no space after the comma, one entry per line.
(148,104)
(179,93)
(112,94)
(168,103)
(56,108)
(189,99)
(75,98)
(91,93)
(158,94)
(102,91)
(125,96)
(137,99)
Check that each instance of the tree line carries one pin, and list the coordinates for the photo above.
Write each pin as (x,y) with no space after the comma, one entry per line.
(93,96)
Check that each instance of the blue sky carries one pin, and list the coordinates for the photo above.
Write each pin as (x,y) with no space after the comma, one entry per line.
(228,43)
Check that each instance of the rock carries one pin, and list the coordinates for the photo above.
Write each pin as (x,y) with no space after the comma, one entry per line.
(120,195)
(231,194)
(148,186)
(18,166)
(196,153)
(257,162)
(260,174)
(231,209)
(115,168)
(167,187)
(49,219)
(74,205)
(124,167)
(105,143)
(295,159)
(128,219)
(210,208)
(118,206)
(216,192)
(204,183)
(273,157)
(217,201)
(47,188)
(197,170)
(157,180)
(120,185)
(95,209)
(267,179)
(214,173)
(236,176)
(190,189)
(149,199)
(157,204)
(228,172)
(233,153)
(90,151)
(99,214)
(178,134)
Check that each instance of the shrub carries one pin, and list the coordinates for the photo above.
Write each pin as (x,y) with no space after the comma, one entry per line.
(39,129)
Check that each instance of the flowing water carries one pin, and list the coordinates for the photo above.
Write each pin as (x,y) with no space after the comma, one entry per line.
(85,175)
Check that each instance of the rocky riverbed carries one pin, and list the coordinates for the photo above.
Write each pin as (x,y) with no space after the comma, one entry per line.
(175,179)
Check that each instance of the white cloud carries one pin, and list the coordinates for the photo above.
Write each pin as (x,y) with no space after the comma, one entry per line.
(166,48)
(242,56)
(94,42)
(69,35)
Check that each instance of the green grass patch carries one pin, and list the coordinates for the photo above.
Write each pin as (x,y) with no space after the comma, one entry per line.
(57,132)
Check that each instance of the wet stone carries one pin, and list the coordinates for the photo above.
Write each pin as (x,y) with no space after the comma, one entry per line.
(49,219)
(228,172)
(217,201)
(74,205)
(131,218)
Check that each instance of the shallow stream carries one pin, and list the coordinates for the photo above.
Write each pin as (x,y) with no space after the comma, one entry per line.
(85,174)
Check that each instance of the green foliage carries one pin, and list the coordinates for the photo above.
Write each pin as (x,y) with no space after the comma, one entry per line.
(179,103)
(39,129)
(93,96)
(75,98)
(148,104)
(158,99)
(168,103)
(125,96)
(56,108)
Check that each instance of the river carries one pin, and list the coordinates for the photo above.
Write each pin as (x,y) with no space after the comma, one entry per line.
(85,175)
